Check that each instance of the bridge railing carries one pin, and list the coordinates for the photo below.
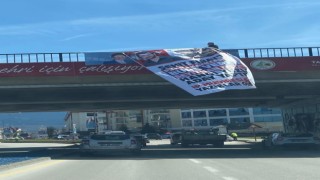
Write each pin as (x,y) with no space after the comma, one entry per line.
(79,56)
(41,57)
(279,52)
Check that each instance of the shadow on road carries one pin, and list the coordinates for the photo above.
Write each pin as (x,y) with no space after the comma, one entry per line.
(167,152)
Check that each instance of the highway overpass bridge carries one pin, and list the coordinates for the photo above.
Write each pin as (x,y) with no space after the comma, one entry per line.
(62,82)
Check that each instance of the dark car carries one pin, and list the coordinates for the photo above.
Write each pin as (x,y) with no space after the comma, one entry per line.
(154,136)
(142,139)
(175,138)
(25,135)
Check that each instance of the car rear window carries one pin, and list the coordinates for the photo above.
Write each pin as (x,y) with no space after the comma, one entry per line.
(110,137)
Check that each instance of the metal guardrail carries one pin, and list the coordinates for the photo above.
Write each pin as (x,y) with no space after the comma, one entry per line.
(279,52)
(79,56)
(41,57)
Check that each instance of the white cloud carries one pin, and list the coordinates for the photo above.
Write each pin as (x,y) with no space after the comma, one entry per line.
(76,37)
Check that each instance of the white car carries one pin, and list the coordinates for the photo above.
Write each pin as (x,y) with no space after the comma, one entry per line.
(63,136)
(111,141)
(286,140)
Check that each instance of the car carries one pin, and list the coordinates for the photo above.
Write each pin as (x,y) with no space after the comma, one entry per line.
(25,135)
(62,136)
(115,132)
(275,140)
(110,142)
(155,136)
(175,138)
(142,139)
(166,136)
(73,137)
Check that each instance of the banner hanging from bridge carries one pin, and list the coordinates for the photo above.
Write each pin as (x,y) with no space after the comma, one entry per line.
(199,71)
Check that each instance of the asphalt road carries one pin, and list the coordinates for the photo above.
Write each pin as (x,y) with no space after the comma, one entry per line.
(237,161)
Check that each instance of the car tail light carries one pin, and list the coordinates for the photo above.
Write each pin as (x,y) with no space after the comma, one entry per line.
(133,141)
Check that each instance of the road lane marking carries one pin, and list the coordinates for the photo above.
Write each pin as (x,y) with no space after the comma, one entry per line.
(229,178)
(28,168)
(195,161)
(210,169)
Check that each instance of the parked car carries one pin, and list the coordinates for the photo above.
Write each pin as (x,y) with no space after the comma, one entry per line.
(154,136)
(67,137)
(25,135)
(166,136)
(110,142)
(142,139)
(290,140)
(175,138)
(62,136)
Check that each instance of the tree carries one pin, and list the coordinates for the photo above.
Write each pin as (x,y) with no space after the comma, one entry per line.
(51,131)
(148,129)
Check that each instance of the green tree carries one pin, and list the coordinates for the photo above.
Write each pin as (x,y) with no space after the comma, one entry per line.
(148,129)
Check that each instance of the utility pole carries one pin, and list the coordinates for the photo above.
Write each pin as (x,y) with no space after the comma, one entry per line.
(71,122)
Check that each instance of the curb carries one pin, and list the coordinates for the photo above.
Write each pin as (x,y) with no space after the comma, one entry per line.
(32,161)
(23,163)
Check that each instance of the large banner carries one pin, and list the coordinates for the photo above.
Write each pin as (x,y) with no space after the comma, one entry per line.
(199,71)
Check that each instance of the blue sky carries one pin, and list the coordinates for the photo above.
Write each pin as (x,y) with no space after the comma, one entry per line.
(112,25)
(32,121)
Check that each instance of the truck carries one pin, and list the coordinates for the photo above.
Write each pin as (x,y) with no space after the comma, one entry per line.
(202,137)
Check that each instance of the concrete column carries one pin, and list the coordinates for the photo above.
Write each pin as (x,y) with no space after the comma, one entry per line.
(251,117)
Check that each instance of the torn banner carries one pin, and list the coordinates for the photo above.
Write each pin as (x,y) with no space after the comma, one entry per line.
(198,71)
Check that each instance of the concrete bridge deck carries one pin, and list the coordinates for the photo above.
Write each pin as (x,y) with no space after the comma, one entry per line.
(62,86)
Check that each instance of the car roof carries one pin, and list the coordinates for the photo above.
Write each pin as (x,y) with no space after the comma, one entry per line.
(115,132)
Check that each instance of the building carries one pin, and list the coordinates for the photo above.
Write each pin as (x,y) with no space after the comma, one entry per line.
(159,117)
(238,119)
(86,121)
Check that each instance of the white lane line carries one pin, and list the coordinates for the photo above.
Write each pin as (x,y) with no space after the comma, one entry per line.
(195,161)
(210,169)
(229,178)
